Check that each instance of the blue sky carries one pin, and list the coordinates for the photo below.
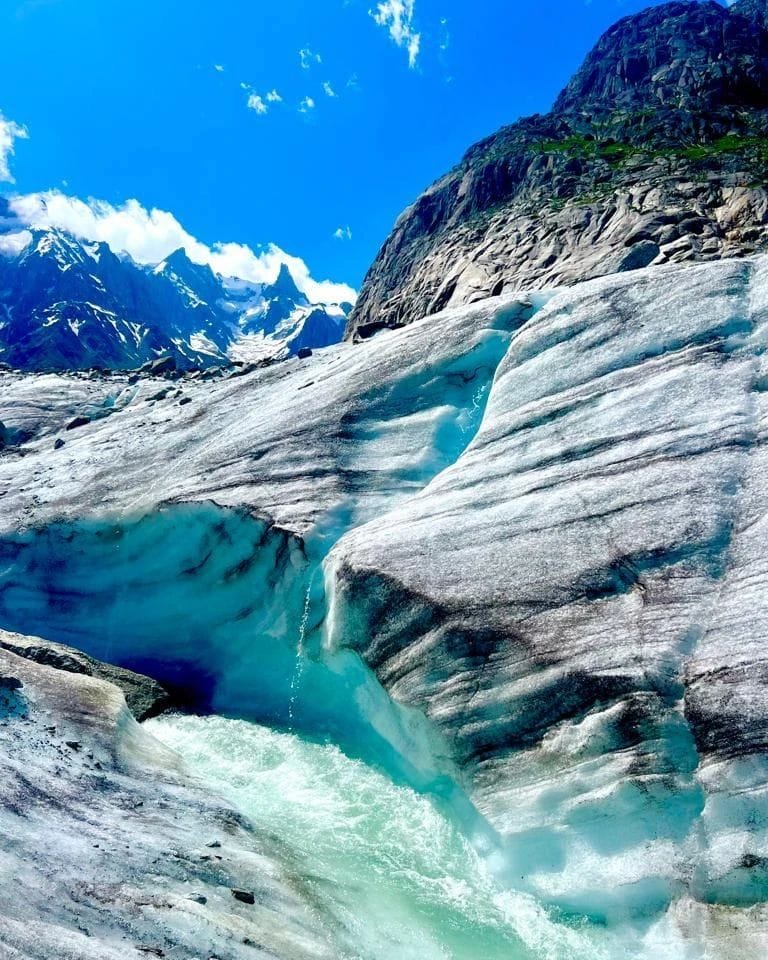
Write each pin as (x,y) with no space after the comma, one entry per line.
(149,101)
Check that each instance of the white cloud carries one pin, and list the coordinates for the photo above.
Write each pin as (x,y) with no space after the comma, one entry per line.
(9,132)
(397,17)
(328,90)
(151,235)
(218,68)
(260,104)
(256,104)
(13,243)
(343,233)
(306,105)
(308,58)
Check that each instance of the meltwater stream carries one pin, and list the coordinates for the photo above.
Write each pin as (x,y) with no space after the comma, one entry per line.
(397,876)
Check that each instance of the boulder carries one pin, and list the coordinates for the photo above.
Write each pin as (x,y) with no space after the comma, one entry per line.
(79,421)
(144,696)
(161,366)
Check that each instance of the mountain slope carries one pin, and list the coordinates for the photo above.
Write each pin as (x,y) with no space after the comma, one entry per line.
(70,304)
(655,152)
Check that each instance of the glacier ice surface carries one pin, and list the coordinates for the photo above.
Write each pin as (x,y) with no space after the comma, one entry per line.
(542,531)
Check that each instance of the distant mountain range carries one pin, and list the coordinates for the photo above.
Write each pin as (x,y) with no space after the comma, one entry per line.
(70,304)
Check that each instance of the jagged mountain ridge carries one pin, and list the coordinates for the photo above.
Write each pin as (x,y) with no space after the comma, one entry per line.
(655,152)
(70,304)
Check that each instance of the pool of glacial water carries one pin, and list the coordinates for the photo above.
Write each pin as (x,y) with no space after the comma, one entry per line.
(396,873)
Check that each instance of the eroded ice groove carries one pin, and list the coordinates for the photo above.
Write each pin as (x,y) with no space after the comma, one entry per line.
(317,445)
(215,604)
(572,604)
(221,602)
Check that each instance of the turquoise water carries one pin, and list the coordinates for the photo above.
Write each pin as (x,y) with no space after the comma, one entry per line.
(398,876)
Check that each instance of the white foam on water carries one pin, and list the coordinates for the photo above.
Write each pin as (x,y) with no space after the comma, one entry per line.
(401,879)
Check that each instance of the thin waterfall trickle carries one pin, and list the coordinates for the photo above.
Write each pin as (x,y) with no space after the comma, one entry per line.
(469,419)
(300,653)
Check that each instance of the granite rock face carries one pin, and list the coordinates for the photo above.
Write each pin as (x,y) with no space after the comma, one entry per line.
(655,152)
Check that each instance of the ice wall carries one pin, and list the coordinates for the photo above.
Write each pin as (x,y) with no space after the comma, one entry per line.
(577,602)
(221,607)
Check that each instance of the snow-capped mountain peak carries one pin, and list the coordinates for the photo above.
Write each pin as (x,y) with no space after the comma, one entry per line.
(284,288)
(71,304)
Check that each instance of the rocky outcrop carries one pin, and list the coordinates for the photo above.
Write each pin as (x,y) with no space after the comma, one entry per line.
(144,696)
(106,841)
(656,152)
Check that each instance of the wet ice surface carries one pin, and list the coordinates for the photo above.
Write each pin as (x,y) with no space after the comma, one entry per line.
(542,531)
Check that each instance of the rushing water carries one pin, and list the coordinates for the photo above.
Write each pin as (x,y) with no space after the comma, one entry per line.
(396,873)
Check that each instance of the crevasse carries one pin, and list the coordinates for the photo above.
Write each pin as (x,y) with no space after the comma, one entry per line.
(229,609)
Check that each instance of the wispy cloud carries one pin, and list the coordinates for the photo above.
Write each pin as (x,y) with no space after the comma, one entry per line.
(218,68)
(149,236)
(343,233)
(12,244)
(445,36)
(306,105)
(308,58)
(328,90)
(396,16)
(9,133)
(256,103)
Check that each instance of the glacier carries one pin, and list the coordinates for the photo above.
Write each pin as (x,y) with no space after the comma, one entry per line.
(518,567)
